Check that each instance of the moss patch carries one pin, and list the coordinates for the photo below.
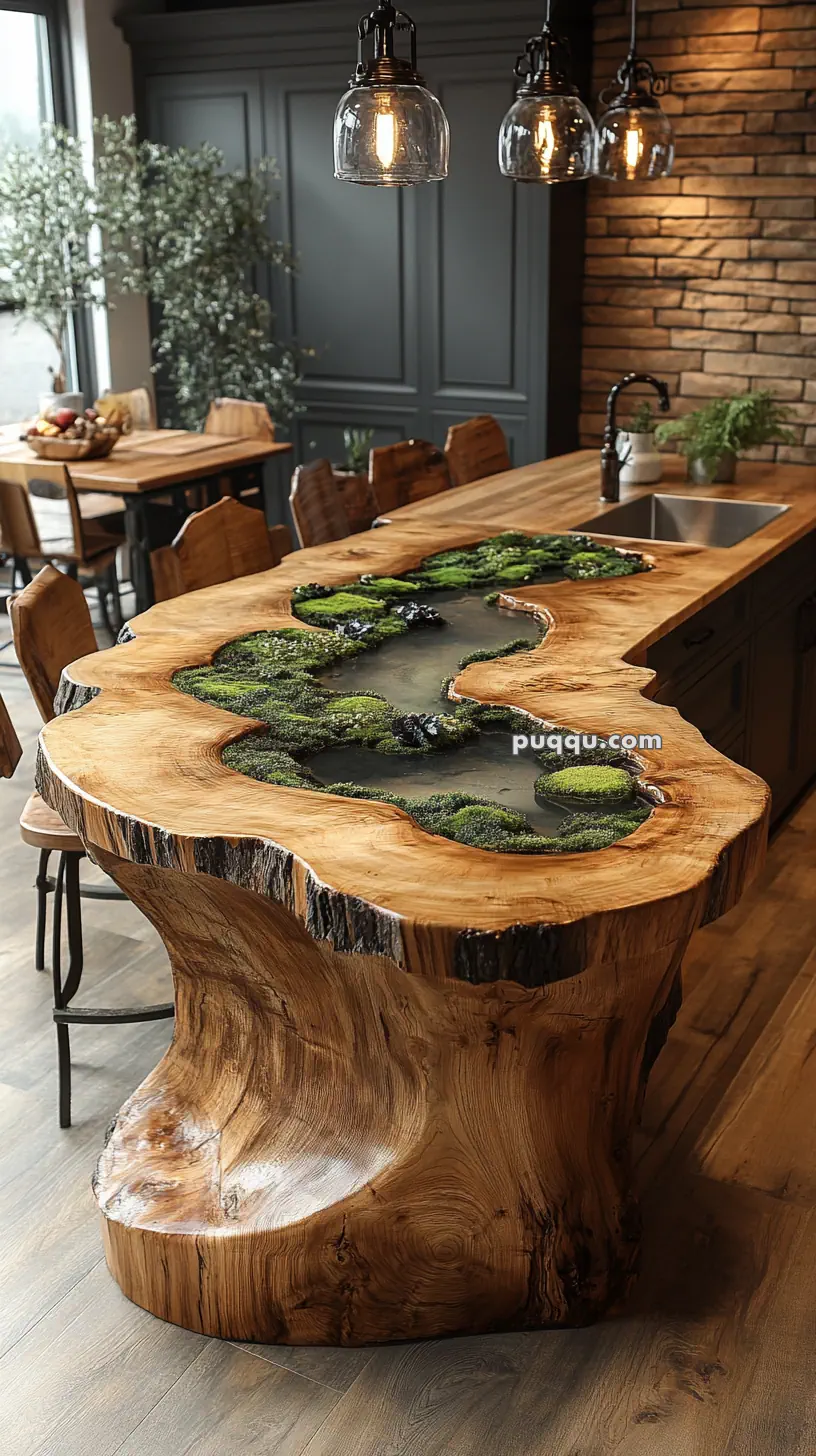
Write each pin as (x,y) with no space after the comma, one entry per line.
(274,678)
(587,784)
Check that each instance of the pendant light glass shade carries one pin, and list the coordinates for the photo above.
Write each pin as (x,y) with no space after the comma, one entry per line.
(635,144)
(547,139)
(390,136)
(548,134)
(635,136)
(389,129)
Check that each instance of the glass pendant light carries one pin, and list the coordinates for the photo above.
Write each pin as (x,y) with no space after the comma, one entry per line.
(389,129)
(635,136)
(547,135)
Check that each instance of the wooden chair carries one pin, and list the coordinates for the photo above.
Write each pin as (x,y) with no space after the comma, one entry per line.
(252,421)
(317,505)
(41,521)
(52,627)
(218,544)
(358,500)
(10,750)
(475,449)
(244,417)
(406,472)
(138,403)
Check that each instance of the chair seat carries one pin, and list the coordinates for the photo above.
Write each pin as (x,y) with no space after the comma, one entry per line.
(93,505)
(44,829)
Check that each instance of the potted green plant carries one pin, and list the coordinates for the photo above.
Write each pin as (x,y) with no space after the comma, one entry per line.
(640,459)
(712,437)
(49,270)
(357,443)
(192,234)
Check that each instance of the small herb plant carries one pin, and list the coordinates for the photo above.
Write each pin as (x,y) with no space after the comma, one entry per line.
(358,444)
(728,426)
(643,420)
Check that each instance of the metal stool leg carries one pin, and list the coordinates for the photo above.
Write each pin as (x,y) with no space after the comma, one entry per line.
(63,1040)
(67,888)
(67,885)
(43,888)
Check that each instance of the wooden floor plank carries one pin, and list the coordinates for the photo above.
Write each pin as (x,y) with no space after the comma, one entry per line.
(764,1131)
(88,1372)
(228,1403)
(336,1368)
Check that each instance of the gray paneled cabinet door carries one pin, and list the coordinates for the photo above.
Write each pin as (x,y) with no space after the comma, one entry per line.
(424,305)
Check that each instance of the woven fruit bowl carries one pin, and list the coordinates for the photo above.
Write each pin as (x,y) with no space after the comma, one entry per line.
(52,447)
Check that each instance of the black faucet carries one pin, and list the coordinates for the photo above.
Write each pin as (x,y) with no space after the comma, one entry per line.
(610,460)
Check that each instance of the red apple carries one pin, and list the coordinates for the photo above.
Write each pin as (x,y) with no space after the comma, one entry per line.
(64,417)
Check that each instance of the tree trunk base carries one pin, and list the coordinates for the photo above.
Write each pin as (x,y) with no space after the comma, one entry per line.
(335,1151)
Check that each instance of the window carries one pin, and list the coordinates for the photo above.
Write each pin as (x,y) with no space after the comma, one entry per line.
(29,95)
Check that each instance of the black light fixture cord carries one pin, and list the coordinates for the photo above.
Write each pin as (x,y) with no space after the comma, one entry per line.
(633,31)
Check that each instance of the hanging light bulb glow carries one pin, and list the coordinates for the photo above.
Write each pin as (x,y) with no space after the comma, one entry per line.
(385,138)
(635,137)
(389,129)
(545,142)
(633,150)
(547,135)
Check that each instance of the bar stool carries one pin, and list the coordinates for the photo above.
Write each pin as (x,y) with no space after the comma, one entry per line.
(52,627)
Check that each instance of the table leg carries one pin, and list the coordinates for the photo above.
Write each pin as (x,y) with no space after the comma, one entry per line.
(136,531)
(334,1151)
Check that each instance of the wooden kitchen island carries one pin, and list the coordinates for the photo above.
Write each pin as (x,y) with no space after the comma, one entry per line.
(406,1072)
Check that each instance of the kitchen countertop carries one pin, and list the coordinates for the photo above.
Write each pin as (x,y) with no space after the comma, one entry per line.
(332,1150)
(142,754)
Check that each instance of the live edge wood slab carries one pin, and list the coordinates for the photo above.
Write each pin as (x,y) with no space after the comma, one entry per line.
(405,1073)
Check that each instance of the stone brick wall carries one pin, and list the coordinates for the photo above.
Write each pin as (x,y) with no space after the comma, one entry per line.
(708,279)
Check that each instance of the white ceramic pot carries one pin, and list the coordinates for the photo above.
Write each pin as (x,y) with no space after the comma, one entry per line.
(641,461)
(62,401)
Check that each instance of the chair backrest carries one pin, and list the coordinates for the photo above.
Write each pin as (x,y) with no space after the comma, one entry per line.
(317,508)
(240,417)
(217,544)
(358,500)
(41,517)
(138,403)
(52,627)
(409,471)
(10,750)
(475,449)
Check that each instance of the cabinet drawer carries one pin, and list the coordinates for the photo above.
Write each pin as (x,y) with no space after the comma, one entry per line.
(689,648)
(716,702)
(791,575)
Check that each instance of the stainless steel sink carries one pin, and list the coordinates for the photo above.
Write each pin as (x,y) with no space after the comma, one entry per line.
(696,520)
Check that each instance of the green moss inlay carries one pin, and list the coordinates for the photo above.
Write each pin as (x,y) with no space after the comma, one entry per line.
(584,783)
(274,677)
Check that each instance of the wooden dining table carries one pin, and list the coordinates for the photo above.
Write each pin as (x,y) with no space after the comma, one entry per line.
(144,465)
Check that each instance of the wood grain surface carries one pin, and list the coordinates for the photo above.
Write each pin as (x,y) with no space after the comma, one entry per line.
(335,1151)
(423,1159)
(10,750)
(148,459)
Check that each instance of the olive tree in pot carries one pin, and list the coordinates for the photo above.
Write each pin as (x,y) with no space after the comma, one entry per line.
(712,437)
(641,463)
(194,234)
(52,265)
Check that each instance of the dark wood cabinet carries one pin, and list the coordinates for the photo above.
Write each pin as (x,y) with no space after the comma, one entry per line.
(743,671)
